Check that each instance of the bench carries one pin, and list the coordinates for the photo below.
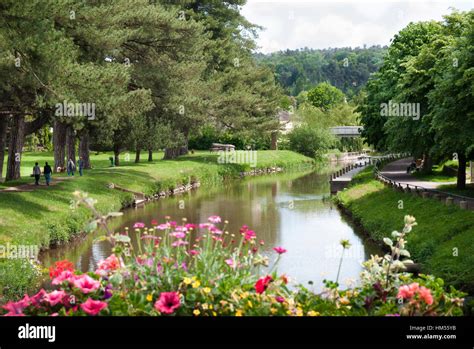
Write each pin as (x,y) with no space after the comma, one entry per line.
(221,147)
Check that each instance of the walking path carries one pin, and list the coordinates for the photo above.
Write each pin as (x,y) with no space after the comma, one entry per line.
(397,171)
(29,187)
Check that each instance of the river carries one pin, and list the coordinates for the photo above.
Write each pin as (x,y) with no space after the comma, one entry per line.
(292,210)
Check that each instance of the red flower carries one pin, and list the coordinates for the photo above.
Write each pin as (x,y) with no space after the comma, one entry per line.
(59,267)
(168,302)
(262,284)
(154,222)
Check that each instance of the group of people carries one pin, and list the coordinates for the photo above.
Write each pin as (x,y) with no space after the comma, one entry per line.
(48,171)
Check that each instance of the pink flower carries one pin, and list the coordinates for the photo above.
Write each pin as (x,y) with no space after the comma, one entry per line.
(108,264)
(55,297)
(205,225)
(280,299)
(249,235)
(66,275)
(178,243)
(93,307)
(138,225)
(163,226)
(407,291)
(193,252)
(216,231)
(86,284)
(190,226)
(425,294)
(16,308)
(214,219)
(38,298)
(279,250)
(231,263)
(178,234)
(168,302)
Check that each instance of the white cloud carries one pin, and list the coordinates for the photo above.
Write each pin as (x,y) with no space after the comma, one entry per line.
(337,23)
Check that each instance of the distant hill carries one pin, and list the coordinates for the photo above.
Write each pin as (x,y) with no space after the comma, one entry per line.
(346,68)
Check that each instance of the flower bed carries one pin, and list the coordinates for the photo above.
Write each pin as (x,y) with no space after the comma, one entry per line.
(204,270)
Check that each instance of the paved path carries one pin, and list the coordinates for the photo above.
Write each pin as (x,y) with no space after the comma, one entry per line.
(29,187)
(397,171)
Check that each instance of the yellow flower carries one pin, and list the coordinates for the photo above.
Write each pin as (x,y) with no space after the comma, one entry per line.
(244,295)
(299,312)
(214,313)
(206,290)
(249,303)
(196,284)
(344,301)
(273,310)
(196,312)
(149,297)
(313,313)
(238,312)
(187,281)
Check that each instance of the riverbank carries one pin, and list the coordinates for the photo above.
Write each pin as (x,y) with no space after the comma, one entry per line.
(47,216)
(443,240)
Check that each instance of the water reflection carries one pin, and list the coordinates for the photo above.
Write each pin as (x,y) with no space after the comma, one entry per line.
(291,210)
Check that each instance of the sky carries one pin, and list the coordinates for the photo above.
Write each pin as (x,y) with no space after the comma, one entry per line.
(292,24)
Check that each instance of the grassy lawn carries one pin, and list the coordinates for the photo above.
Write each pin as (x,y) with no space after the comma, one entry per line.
(469,191)
(443,241)
(439,173)
(33,216)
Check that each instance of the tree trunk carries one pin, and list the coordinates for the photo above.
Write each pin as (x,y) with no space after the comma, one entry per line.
(71,144)
(137,155)
(3,140)
(116,156)
(172,153)
(274,145)
(427,164)
(15,148)
(461,182)
(150,155)
(84,149)
(59,144)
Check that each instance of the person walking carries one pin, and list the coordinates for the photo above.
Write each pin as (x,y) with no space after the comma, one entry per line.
(36,173)
(81,165)
(47,171)
(71,167)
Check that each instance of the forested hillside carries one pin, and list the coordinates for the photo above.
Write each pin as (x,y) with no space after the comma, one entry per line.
(346,68)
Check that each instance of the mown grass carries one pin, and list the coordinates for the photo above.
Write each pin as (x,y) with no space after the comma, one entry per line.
(469,191)
(47,216)
(443,240)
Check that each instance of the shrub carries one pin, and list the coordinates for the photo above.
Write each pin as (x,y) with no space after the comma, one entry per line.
(312,142)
